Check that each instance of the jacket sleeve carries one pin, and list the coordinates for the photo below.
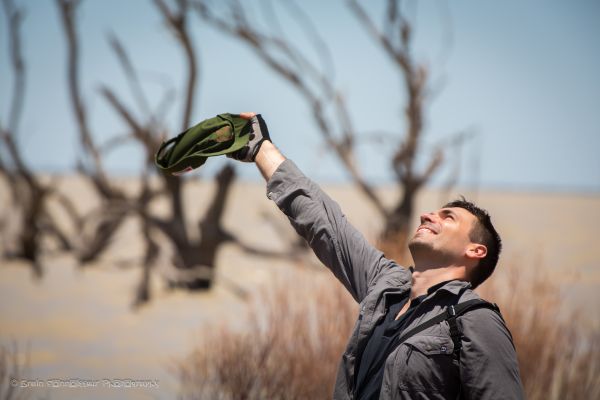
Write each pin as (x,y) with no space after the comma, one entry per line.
(319,219)
(488,360)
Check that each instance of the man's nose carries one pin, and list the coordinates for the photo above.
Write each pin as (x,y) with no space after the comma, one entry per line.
(427,217)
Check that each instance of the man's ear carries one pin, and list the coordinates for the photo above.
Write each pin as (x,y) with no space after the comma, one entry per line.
(476,251)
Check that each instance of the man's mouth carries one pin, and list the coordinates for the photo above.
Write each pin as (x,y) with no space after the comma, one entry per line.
(426,228)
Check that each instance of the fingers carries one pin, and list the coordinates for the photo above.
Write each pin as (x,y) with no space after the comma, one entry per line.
(247,115)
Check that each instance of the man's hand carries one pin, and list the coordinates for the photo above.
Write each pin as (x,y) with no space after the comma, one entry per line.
(266,156)
(258,136)
(247,115)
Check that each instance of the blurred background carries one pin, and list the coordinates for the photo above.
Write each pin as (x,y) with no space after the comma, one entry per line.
(141,285)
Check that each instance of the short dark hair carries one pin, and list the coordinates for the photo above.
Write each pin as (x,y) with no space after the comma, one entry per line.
(482,232)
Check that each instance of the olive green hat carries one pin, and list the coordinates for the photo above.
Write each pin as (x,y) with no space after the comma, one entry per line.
(223,134)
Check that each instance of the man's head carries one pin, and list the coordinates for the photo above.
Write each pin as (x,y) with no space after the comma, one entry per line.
(459,233)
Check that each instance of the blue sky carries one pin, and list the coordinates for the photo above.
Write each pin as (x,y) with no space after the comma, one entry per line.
(521,75)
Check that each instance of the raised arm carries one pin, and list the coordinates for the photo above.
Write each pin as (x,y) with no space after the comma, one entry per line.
(319,219)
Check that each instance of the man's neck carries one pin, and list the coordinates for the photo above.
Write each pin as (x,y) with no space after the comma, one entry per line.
(424,279)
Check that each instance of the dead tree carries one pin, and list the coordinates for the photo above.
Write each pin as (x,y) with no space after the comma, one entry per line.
(116,205)
(314,84)
(194,259)
(29,194)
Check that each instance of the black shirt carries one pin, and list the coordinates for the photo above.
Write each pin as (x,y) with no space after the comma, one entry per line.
(381,344)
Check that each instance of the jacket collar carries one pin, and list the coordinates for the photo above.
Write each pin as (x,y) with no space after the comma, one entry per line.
(454,287)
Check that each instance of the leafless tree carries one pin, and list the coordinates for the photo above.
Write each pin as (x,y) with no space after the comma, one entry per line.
(194,260)
(313,81)
(29,194)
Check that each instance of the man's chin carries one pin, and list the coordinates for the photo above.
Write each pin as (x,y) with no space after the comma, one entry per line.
(417,240)
(417,244)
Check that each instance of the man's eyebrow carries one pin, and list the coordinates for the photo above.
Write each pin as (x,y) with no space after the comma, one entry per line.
(448,211)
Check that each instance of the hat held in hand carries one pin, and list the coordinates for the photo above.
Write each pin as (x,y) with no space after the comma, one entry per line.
(223,134)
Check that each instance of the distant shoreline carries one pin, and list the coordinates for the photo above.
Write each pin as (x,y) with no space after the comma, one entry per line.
(502,187)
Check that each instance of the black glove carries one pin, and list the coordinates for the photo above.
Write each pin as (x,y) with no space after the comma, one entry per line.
(259,134)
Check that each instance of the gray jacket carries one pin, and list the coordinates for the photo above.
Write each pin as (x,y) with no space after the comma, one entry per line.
(423,366)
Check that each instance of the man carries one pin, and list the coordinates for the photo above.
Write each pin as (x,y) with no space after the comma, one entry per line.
(454,250)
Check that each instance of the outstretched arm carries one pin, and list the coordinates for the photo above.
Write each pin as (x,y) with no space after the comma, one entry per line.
(319,219)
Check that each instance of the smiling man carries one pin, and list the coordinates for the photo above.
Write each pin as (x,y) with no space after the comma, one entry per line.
(422,332)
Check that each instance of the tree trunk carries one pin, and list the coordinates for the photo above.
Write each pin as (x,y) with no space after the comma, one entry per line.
(195,261)
(394,239)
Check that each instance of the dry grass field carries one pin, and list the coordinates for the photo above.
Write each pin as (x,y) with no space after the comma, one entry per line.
(78,322)
(289,344)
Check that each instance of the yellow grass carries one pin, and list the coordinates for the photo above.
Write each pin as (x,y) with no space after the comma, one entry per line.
(289,340)
(287,345)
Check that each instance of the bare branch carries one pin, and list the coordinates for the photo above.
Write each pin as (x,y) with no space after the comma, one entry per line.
(177,22)
(294,67)
(48,225)
(164,104)
(102,236)
(15,17)
(453,145)
(151,254)
(122,110)
(434,163)
(154,117)
(148,141)
(67,10)
(29,193)
(280,41)
(318,43)
(211,223)
(397,53)
(132,77)
(21,168)
(114,142)
(395,40)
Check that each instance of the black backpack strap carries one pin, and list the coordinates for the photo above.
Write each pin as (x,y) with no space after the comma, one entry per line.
(450,314)
(453,312)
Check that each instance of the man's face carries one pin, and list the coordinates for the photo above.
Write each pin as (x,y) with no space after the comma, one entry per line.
(444,232)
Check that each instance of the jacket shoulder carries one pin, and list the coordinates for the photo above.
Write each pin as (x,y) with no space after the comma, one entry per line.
(389,275)
(484,320)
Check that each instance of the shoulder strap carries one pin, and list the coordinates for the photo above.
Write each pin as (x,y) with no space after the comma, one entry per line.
(450,315)
(455,311)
